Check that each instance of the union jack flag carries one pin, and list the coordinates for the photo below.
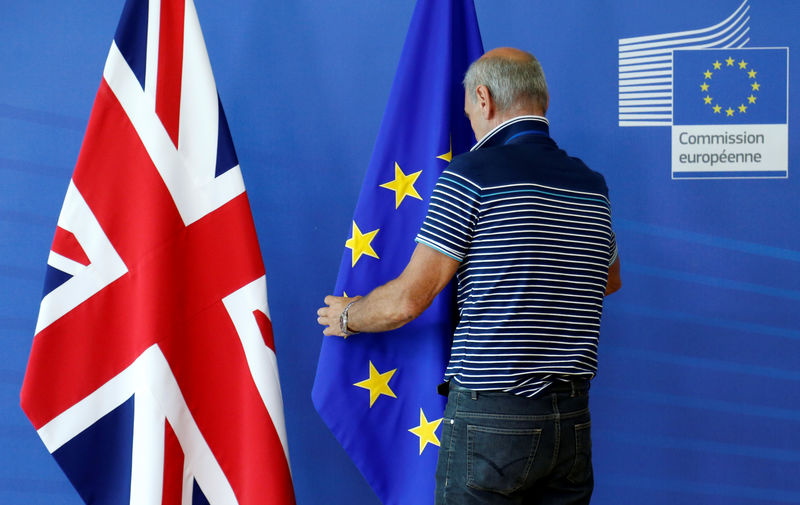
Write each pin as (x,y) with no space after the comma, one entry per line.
(152,377)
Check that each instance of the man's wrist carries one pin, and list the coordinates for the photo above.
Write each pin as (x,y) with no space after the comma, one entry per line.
(343,320)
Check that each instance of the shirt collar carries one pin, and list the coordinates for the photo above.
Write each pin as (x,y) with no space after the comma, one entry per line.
(514,127)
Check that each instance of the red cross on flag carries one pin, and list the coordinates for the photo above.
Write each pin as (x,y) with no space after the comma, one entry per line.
(153,377)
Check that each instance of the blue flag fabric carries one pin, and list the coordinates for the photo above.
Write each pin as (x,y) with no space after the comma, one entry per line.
(731,86)
(377,392)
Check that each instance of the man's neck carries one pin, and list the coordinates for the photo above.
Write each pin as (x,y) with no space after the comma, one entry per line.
(522,111)
(500,119)
(502,125)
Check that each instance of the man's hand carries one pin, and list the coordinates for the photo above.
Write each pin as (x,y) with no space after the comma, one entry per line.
(328,316)
(398,301)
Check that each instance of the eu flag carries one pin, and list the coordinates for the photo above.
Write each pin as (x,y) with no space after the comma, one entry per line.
(730,86)
(377,392)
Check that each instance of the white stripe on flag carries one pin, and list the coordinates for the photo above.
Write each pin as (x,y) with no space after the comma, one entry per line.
(199,122)
(104,268)
(157,397)
(260,359)
(193,195)
(151,65)
(64,264)
(147,457)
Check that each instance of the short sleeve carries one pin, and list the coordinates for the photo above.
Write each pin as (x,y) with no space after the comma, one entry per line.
(612,243)
(612,249)
(452,215)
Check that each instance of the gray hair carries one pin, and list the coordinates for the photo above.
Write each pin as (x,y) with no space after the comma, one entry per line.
(512,82)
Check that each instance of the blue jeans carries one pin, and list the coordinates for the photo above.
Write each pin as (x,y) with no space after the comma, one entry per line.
(499,448)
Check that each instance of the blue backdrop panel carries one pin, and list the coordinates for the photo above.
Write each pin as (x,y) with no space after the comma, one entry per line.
(697,396)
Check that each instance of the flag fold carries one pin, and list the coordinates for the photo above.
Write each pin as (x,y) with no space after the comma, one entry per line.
(377,392)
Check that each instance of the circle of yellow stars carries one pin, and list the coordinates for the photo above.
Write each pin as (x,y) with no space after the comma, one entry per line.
(705,87)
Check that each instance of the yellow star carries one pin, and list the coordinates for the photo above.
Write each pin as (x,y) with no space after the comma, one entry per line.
(360,243)
(752,74)
(448,156)
(717,109)
(742,64)
(717,65)
(729,111)
(707,99)
(426,431)
(377,384)
(742,108)
(755,86)
(751,98)
(708,74)
(729,61)
(402,185)
(704,86)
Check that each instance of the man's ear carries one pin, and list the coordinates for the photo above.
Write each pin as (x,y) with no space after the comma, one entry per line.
(485,102)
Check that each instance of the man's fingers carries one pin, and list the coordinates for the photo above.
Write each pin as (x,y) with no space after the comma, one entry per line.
(328,316)
(330,331)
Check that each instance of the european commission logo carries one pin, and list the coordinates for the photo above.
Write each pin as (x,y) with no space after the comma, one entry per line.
(726,104)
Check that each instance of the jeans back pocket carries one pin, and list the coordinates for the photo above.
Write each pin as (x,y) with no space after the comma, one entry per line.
(581,470)
(499,459)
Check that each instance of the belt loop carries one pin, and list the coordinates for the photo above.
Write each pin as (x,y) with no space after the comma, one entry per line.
(572,386)
(474,395)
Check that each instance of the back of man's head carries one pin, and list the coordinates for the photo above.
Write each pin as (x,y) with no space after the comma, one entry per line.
(515,80)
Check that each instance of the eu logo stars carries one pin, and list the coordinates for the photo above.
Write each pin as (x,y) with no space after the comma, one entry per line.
(730,113)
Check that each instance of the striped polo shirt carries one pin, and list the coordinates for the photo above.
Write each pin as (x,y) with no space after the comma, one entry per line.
(531,227)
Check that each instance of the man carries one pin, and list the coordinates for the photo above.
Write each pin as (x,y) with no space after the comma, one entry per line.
(527,232)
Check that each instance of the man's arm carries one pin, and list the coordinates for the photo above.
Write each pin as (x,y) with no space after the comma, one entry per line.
(614,280)
(398,301)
